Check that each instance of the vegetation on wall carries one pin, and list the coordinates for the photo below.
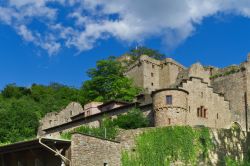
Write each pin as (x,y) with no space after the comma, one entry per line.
(135,53)
(230,70)
(163,146)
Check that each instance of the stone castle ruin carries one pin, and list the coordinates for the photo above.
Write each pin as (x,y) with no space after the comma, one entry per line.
(173,95)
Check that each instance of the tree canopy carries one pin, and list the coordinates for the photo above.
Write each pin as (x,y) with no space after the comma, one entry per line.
(135,53)
(107,82)
(21,108)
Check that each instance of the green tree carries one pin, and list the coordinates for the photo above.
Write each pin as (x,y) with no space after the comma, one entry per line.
(21,108)
(135,53)
(107,82)
(11,90)
(132,120)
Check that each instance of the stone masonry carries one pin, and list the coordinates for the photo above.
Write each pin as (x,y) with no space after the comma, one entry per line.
(91,151)
(173,95)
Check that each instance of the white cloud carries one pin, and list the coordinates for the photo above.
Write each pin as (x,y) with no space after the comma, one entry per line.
(87,21)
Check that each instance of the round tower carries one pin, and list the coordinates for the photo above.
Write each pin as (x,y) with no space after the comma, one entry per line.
(170,107)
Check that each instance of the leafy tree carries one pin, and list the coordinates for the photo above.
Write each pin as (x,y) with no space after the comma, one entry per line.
(108,83)
(21,108)
(135,53)
(19,120)
(132,120)
(12,90)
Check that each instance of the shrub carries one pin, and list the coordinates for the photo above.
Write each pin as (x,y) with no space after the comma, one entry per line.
(132,120)
(107,130)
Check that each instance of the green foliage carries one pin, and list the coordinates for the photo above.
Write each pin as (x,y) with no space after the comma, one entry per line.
(21,108)
(135,53)
(231,162)
(107,130)
(132,120)
(230,70)
(162,146)
(108,83)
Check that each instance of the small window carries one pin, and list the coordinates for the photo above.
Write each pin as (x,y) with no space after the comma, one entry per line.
(50,121)
(105,164)
(152,74)
(205,113)
(71,113)
(217,116)
(153,66)
(198,112)
(152,84)
(169,99)
(169,121)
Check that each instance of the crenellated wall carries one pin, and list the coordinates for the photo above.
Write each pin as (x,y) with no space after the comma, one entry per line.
(152,74)
(206,108)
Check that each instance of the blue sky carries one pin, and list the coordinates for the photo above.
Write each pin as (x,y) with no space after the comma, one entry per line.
(43,41)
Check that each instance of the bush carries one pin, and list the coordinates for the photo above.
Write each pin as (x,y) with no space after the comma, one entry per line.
(132,120)
(107,130)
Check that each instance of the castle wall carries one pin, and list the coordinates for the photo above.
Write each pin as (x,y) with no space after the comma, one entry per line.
(91,151)
(215,110)
(135,72)
(169,72)
(94,120)
(170,114)
(231,143)
(151,74)
(233,86)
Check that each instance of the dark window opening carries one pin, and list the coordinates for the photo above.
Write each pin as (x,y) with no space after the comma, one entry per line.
(205,113)
(105,164)
(198,112)
(152,74)
(153,66)
(152,84)
(202,112)
(217,116)
(169,121)
(169,99)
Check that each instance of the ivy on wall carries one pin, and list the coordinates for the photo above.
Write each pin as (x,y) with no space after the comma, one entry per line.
(163,146)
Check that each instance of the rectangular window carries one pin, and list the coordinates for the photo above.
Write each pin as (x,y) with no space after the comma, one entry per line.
(205,113)
(152,84)
(152,74)
(169,99)
(169,121)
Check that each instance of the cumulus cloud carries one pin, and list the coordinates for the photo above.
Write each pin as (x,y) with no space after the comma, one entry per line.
(84,22)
